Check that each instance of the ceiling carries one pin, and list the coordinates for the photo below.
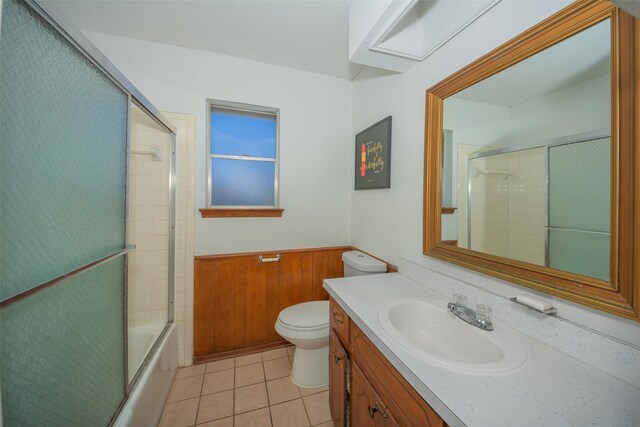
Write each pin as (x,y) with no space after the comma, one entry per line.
(579,58)
(310,35)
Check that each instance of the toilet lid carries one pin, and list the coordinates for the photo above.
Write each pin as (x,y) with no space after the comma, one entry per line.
(306,315)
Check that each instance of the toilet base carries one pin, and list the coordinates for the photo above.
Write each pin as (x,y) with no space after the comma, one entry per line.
(310,367)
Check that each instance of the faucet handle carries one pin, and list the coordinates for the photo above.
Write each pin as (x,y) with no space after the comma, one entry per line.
(459,299)
(483,313)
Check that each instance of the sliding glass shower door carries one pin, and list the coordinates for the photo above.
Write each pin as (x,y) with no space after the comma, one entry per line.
(546,204)
(579,207)
(63,157)
(65,233)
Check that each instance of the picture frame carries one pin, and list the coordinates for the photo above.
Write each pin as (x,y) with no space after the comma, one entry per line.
(373,156)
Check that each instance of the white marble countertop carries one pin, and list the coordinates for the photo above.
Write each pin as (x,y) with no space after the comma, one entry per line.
(552,389)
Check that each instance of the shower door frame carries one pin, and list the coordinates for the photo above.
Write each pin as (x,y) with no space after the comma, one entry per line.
(63,26)
(564,140)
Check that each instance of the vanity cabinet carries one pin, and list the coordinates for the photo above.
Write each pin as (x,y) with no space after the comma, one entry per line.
(338,380)
(376,393)
(367,408)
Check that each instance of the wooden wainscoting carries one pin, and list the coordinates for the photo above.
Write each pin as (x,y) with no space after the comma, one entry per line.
(237,298)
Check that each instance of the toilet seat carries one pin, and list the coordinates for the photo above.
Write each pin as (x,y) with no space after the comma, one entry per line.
(307,316)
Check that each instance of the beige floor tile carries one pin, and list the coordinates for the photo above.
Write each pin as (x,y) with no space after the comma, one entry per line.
(224,422)
(190,371)
(277,368)
(291,350)
(180,414)
(220,365)
(291,360)
(274,354)
(248,359)
(218,381)
(317,406)
(185,388)
(289,414)
(306,391)
(281,390)
(250,397)
(327,424)
(259,418)
(215,406)
(249,374)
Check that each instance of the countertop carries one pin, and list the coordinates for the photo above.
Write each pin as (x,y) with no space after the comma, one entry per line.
(551,389)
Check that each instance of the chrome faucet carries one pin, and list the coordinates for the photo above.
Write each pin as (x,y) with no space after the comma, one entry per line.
(480,317)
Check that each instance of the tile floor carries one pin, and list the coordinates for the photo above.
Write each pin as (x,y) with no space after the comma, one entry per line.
(253,390)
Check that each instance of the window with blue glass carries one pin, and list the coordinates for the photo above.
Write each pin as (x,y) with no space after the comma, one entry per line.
(243,155)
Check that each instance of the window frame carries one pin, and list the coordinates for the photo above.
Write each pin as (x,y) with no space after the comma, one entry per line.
(251,210)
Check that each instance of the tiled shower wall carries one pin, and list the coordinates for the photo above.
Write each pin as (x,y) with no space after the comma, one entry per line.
(148,227)
(528,206)
(148,223)
(490,205)
(508,211)
(185,168)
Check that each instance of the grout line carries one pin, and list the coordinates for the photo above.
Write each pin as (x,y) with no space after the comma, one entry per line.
(264,372)
(305,410)
(200,398)
(233,394)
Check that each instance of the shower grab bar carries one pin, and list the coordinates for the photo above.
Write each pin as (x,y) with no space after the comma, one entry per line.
(274,259)
(32,291)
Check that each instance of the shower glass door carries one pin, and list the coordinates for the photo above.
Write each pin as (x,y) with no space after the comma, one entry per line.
(579,207)
(63,160)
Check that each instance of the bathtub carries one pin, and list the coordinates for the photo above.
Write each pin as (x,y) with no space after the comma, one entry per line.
(140,341)
(146,400)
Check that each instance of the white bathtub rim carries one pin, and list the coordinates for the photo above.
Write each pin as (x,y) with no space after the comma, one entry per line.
(125,418)
(155,331)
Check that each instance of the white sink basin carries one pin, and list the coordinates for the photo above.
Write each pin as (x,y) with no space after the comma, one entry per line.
(426,328)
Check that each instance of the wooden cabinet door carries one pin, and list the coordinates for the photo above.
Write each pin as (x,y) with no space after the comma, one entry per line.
(366,407)
(337,380)
(407,406)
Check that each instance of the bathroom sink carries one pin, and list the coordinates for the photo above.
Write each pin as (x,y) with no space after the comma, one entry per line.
(427,329)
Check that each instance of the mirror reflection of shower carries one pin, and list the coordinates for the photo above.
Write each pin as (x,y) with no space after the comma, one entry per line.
(546,204)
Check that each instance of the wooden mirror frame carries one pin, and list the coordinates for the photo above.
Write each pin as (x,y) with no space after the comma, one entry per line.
(620,296)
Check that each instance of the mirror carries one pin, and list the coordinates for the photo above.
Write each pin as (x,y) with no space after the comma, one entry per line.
(525,177)
(532,158)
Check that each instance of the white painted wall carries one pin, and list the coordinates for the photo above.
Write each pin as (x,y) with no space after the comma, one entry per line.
(388,223)
(315,138)
(580,108)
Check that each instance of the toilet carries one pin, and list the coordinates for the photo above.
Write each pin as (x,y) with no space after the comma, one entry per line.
(306,326)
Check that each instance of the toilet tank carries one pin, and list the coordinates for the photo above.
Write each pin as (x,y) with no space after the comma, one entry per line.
(357,263)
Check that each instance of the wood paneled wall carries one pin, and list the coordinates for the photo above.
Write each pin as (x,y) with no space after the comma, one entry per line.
(237,299)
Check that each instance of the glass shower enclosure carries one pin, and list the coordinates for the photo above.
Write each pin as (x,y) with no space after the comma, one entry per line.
(546,203)
(80,211)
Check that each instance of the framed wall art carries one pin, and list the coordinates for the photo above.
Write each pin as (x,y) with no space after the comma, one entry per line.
(373,156)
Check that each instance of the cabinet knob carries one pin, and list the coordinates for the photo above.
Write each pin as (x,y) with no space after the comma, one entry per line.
(336,358)
(337,317)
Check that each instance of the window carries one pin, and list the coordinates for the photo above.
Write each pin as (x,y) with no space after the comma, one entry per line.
(243,158)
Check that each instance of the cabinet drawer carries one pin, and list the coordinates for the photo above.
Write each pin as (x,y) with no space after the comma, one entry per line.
(402,400)
(339,322)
